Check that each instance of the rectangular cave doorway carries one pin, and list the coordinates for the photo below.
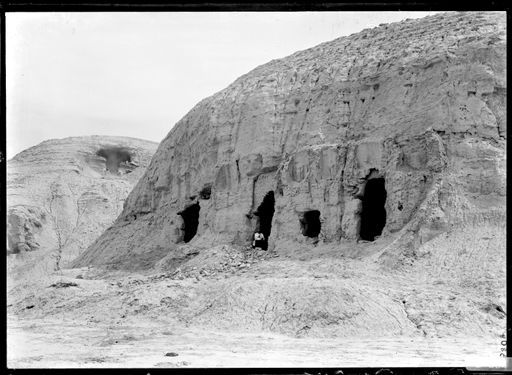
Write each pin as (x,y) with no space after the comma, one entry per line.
(310,223)
(373,215)
(190,216)
(264,215)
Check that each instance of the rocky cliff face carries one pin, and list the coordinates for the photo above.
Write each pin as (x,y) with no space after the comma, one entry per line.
(401,126)
(62,193)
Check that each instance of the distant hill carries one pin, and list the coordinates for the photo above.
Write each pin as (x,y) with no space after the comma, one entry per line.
(63,193)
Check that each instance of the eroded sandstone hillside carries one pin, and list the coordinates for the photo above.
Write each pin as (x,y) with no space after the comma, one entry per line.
(413,112)
(62,193)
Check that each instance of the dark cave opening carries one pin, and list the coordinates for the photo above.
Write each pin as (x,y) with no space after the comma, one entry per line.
(373,215)
(114,157)
(265,213)
(310,223)
(190,216)
(206,192)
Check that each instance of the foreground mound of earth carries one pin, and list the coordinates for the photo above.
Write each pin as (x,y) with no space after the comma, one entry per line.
(234,306)
(63,193)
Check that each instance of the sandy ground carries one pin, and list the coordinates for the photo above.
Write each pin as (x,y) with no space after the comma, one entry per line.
(230,307)
(57,343)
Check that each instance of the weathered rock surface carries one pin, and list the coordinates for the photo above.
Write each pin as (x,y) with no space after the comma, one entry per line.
(420,103)
(63,193)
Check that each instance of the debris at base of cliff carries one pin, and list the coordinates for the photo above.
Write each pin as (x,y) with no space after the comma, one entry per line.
(63,284)
(215,261)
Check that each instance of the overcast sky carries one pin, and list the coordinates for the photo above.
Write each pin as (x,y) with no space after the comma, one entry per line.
(137,74)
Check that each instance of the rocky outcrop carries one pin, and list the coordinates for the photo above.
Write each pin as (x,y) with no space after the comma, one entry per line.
(417,105)
(63,193)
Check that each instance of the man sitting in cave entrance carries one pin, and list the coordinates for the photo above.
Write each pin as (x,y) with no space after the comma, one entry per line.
(259,241)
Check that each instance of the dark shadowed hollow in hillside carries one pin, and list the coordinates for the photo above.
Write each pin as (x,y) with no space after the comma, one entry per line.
(206,192)
(310,223)
(265,213)
(114,157)
(373,216)
(190,216)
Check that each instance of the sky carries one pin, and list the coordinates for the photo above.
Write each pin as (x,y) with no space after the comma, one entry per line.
(136,74)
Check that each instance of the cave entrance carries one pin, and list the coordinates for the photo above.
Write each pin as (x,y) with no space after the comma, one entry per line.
(310,223)
(114,156)
(190,216)
(373,215)
(206,192)
(265,213)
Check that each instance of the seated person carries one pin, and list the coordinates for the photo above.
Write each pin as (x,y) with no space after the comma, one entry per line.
(259,241)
